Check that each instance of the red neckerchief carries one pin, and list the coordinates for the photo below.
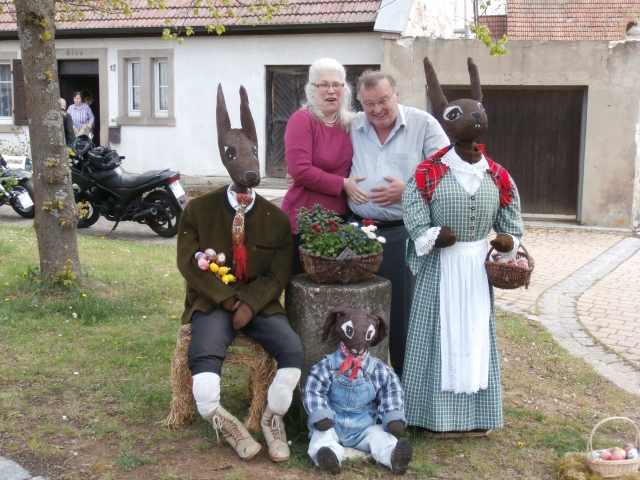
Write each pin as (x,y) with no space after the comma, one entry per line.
(237,236)
(351,361)
(430,172)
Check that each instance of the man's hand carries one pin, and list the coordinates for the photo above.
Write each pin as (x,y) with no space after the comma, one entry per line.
(243,315)
(386,195)
(289,179)
(355,193)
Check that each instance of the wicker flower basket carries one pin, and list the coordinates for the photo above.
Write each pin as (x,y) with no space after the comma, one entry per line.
(612,468)
(345,268)
(509,277)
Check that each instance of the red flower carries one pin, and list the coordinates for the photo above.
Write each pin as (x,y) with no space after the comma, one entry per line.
(367,223)
(317,229)
(331,222)
(314,225)
(333,229)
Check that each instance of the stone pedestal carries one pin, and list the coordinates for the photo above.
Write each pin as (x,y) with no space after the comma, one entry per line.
(308,304)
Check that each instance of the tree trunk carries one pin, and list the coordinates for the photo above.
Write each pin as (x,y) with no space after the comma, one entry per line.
(56,212)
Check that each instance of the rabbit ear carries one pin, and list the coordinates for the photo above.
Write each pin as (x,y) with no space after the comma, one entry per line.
(222,115)
(436,95)
(331,318)
(383,327)
(474,76)
(246,120)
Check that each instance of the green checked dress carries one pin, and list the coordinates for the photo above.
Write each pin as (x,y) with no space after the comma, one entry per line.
(471,217)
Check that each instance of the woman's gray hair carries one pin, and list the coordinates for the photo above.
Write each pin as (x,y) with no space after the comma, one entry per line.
(345,113)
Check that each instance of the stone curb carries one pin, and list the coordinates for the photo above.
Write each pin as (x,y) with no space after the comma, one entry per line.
(558,315)
(10,470)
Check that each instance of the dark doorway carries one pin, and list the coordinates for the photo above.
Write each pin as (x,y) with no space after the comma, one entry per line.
(81,76)
(285,94)
(536,135)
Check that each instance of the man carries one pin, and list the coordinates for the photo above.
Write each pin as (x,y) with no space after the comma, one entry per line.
(69,135)
(389,141)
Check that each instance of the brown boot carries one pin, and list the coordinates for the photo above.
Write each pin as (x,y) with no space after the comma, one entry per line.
(275,436)
(235,433)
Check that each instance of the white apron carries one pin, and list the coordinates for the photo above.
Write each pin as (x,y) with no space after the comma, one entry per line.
(465,310)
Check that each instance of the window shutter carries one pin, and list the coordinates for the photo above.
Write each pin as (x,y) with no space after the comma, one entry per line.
(20,112)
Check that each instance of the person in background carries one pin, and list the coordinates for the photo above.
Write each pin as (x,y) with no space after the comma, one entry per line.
(69,134)
(81,115)
(389,141)
(318,150)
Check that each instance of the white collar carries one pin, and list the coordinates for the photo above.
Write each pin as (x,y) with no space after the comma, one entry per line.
(231,195)
(452,160)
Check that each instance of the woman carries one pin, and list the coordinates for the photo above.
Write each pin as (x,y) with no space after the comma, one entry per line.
(318,149)
(81,115)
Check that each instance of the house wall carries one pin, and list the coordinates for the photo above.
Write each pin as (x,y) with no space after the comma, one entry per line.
(199,65)
(609,70)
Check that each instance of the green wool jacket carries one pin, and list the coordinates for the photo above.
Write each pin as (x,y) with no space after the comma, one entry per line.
(206,223)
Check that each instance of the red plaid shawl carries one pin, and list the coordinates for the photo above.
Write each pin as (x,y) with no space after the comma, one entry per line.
(430,172)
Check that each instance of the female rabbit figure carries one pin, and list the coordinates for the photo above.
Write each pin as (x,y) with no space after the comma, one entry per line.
(451,375)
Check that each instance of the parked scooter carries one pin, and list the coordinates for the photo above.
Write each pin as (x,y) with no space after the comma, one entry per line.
(19,195)
(154,198)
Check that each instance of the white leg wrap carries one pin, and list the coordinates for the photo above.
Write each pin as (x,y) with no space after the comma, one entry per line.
(206,391)
(280,392)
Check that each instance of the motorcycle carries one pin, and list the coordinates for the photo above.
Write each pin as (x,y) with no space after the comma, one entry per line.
(16,189)
(102,187)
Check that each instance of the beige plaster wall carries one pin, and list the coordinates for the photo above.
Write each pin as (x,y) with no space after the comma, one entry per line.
(610,72)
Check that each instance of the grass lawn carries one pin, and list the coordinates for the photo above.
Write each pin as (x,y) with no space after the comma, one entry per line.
(84,379)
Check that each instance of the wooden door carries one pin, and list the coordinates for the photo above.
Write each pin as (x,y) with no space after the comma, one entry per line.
(285,94)
(536,135)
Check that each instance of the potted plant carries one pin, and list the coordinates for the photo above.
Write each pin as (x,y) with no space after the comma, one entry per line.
(333,251)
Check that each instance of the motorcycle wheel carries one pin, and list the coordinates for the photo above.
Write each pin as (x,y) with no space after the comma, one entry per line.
(166,222)
(91,217)
(25,185)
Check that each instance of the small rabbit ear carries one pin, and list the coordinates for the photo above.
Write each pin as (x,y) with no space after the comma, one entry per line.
(246,120)
(383,327)
(474,76)
(434,91)
(331,318)
(222,115)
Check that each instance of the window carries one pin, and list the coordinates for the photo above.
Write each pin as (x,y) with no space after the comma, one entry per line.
(5,93)
(162,88)
(145,86)
(135,86)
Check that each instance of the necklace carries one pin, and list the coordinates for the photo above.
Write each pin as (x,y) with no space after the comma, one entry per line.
(332,121)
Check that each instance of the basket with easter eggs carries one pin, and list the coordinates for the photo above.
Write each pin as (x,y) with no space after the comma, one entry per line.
(615,461)
(509,274)
(215,263)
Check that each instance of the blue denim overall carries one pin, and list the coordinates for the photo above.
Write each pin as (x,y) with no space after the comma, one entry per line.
(352,400)
(355,426)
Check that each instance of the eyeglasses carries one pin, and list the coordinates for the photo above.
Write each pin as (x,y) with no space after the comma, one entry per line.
(372,105)
(326,86)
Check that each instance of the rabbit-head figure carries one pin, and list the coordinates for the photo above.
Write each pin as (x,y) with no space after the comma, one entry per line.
(357,328)
(463,120)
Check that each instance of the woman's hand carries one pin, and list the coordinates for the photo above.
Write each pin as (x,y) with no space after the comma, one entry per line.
(355,193)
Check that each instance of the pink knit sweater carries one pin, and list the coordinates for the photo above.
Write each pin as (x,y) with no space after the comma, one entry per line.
(319,159)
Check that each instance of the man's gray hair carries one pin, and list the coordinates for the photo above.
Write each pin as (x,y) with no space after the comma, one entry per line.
(61,102)
(345,113)
(370,78)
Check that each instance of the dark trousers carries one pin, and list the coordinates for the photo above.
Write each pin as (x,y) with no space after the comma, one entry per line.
(212,333)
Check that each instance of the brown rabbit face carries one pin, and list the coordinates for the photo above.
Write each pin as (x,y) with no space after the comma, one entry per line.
(464,120)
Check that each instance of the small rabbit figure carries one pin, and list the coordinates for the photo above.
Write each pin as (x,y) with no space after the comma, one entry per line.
(346,392)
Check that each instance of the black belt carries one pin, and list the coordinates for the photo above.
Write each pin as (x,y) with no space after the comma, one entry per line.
(382,224)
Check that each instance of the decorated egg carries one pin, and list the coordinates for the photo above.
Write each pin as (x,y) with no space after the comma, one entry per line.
(221,259)
(225,279)
(214,268)
(223,270)
(629,446)
(631,454)
(522,262)
(210,253)
(203,264)
(200,255)
(595,454)
(500,260)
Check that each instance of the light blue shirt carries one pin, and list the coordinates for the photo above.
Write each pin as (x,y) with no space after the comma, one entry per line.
(416,136)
